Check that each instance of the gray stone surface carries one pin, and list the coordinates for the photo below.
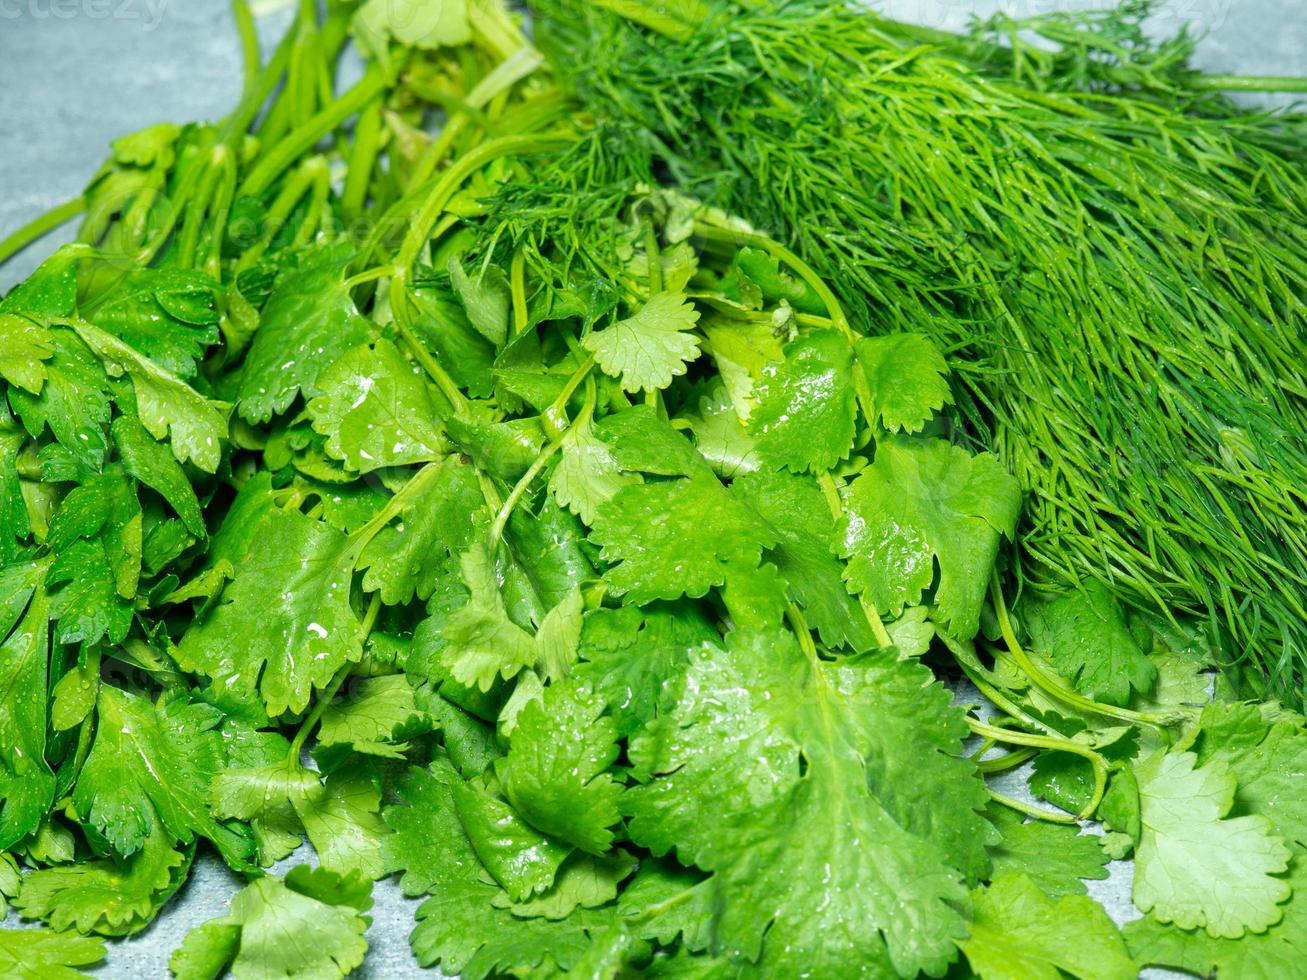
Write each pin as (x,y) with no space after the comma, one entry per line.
(74,74)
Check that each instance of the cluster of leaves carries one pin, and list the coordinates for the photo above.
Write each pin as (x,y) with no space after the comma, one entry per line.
(1059,201)
(605,604)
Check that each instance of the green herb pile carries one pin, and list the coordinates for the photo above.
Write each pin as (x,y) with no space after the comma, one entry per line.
(1115,257)
(428,472)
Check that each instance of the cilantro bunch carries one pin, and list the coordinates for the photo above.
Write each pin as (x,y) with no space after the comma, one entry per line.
(613,595)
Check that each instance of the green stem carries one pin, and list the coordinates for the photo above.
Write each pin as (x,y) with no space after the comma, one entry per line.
(303,137)
(735,236)
(249,38)
(1049,743)
(1029,810)
(311,173)
(1009,760)
(1054,687)
(517,279)
(41,226)
(1248,83)
(238,123)
(448,387)
(1001,701)
(394,506)
(799,624)
(363,157)
(554,418)
(521,487)
(653,257)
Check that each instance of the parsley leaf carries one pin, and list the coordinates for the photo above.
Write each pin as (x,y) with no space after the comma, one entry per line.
(167,314)
(73,400)
(167,406)
(309,323)
(44,955)
(1054,856)
(1085,636)
(113,896)
(150,766)
(412,556)
(26,782)
(1196,866)
(906,375)
(1280,951)
(875,889)
(806,405)
(281,650)
(794,507)
(635,659)
(309,924)
(650,347)
(1019,933)
(587,474)
(24,349)
(376,410)
(556,771)
(922,502)
(676,537)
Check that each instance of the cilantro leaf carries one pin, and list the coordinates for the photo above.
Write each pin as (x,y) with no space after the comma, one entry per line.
(1085,636)
(485,299)
(806,405)
(113,896)
(741,350)
(635,658)
(556,771)
(460,927)
(1268,761)
(650,347)
(413,556)
(344,822)
(410,22)
(1019,933)
(308,924)
(676,537)
(167,406)
(151,765)
(523,861)
(44,955)
(587,474)
(482,644)
(151,463)
(373,713)
(284,649)
(1196,866)
(721,437)
(922,502)
(795,508)
(1280,951)
(1054,856)
(376,410)
(737,778)
(906,377)
(309,323)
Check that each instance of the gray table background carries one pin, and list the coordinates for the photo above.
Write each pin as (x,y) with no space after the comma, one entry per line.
(75,74)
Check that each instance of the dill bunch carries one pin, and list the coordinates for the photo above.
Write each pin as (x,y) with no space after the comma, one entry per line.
(1115,255)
